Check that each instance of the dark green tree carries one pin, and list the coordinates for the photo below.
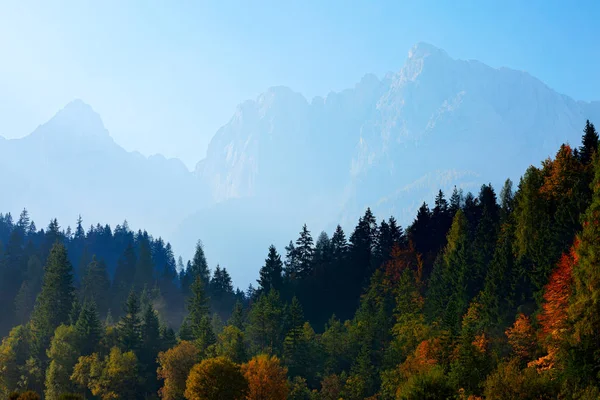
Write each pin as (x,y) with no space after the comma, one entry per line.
(89,328)
(271,274)
(54,302)
(130,325)
(589,143)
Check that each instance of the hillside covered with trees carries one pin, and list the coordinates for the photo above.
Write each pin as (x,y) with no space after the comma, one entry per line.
(490,295)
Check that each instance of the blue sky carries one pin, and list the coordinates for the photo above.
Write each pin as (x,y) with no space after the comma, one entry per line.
(165,75)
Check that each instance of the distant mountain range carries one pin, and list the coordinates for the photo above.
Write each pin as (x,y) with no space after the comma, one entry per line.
(281,160)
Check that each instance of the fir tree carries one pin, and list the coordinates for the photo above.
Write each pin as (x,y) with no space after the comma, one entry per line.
(271,273)
(589,143)
(88,328)
(54,302)
(304,252)
(130,324)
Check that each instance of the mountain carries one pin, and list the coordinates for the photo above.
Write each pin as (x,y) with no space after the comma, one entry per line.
(70,165)
(387,143)
(281,161)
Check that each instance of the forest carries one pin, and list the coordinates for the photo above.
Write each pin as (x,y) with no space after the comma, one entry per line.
(493,295)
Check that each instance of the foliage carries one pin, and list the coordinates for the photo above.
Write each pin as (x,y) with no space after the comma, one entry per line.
(266,378)
(174,367)
(215,379)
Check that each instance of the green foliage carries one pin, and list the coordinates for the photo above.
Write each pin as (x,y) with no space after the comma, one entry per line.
(62,354)
(265,323)
(431,385)
(56,298)
(130,324)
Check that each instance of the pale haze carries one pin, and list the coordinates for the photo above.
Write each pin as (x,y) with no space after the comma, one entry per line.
(165,76)
(236,124)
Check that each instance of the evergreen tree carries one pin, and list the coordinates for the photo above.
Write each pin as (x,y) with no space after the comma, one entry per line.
(419,231)
(199,266)
(150,347)
(130,324)
(124,276)
(95,284)
(292,265)
(88,328)
(304,252)
(54,302)
(339,244)
(271,273)
(237,316)
(293,338)
(265,323)
(589,143)
(144,268)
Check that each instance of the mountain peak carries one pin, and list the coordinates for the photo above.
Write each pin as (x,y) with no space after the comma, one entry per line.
(76,119)
(424,49)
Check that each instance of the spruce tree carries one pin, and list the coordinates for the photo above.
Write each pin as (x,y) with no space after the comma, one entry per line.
(130,324)
(144,268)
(271,273)
(304,252)
(88,328)
(95,284)
(237,316)
(589,143)
(54,302)
(339,244)
(149,349)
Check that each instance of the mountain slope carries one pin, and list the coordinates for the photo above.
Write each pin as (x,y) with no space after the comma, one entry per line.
(71,165)
(387,143)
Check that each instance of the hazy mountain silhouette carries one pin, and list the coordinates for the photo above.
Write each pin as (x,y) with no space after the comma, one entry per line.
(281,160)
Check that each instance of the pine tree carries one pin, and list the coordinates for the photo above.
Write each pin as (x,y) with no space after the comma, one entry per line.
(292,265)
(124,276)
(149,349)
(130,324)
(292,342)
(199,266)
(144,268)
(88,328)
(304,252)
(197,303)
(95,284)
(271,273)
(339,244)
(589,143)
(237,316)
(54,302)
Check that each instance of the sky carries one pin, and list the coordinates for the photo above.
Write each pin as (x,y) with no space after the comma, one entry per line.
(165,75)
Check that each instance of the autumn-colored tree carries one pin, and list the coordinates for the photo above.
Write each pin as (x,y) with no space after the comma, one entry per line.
(216,379)
(557,293)
(267,378)
(521,337)
(63,354)
(114,377)
(174,367)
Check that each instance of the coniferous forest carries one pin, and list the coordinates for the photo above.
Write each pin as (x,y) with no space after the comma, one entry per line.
(488,295)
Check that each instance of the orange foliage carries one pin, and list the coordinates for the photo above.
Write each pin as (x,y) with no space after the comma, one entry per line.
(559,173)
(556,294)
(521,337)
(426,355)
(174,367)
(267,379)
(481,343)
(401,259)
